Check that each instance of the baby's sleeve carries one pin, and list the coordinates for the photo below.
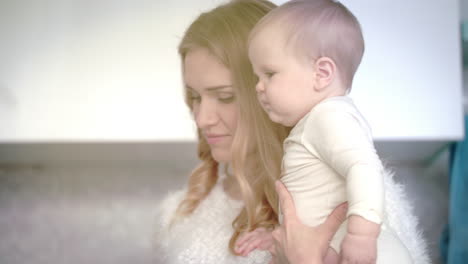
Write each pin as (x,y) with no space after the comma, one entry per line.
(343,141)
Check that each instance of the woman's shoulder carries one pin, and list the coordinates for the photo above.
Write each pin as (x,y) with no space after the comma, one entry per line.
(168,205)
(164,214)
(204,235)
(210,205)
(215,201)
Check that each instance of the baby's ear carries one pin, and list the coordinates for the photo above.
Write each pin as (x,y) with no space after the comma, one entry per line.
(325,73)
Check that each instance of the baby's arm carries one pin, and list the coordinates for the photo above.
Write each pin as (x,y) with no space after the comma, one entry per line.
(260,238)
(344,142)
(360,242)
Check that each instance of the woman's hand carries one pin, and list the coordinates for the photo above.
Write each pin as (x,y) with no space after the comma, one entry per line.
(297,243)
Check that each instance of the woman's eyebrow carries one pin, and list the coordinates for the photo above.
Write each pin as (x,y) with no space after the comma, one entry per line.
(218,87)
(211,88)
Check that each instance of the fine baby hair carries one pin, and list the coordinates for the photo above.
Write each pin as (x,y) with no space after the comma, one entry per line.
(312,29)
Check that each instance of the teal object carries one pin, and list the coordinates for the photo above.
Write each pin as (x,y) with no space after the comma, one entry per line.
(454,241)
(464,38)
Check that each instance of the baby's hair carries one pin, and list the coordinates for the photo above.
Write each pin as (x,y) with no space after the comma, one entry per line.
(318,28)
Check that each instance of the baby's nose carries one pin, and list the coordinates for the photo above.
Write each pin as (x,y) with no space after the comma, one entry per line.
(259,87)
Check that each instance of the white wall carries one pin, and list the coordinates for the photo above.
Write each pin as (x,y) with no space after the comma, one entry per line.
(409,84)
(93,70)
(108,70)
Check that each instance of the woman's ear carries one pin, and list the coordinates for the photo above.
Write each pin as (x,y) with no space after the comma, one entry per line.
(325,72)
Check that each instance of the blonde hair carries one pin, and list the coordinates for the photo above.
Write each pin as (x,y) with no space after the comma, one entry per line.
(319,28)
(257,143)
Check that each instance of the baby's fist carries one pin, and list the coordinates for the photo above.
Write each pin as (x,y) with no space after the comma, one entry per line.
(260,238)
(358,249)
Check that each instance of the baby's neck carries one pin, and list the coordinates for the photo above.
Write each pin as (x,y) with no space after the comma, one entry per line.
(335,90)
(329,93)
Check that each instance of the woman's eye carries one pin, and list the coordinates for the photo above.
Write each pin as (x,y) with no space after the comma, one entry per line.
(195,98)
(226,98)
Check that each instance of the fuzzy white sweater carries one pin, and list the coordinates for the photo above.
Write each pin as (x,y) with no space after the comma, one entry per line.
(203,237)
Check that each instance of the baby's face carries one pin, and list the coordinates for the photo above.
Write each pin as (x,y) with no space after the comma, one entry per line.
(285,87)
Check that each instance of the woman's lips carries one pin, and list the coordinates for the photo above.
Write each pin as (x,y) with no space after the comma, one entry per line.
(213,139)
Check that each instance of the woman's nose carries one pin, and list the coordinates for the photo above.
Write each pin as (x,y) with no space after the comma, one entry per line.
(206,115)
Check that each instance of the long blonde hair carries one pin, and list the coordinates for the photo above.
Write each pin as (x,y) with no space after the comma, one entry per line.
(257,144)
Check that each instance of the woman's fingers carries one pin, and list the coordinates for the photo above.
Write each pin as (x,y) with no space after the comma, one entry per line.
(286,203)
(292,236)
(335,219)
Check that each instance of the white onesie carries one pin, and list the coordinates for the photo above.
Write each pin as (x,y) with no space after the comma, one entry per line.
(329,158)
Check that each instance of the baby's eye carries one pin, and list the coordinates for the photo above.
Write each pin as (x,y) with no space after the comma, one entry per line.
(269,74)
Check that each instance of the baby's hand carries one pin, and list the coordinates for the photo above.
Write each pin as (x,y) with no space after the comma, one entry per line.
(359,249)
(260,238)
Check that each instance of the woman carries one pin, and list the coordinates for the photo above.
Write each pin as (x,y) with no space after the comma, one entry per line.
(232,191)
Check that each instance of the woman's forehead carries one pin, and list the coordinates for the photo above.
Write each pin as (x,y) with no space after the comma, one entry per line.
(203,71)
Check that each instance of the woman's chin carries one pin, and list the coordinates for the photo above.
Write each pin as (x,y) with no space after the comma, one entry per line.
(221,155)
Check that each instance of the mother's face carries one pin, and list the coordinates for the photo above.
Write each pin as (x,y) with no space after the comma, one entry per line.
(209,84)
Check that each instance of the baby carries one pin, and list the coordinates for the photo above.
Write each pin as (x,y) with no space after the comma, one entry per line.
(305,54)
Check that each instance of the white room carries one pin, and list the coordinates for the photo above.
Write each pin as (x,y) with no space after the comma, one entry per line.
(94,129)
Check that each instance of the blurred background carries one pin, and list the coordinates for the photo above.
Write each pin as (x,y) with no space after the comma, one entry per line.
(94,130)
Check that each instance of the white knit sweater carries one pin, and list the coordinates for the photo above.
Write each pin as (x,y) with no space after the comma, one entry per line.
(203,237)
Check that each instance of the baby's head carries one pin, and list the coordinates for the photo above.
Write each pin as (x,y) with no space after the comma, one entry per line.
(311,29)
(316,45)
